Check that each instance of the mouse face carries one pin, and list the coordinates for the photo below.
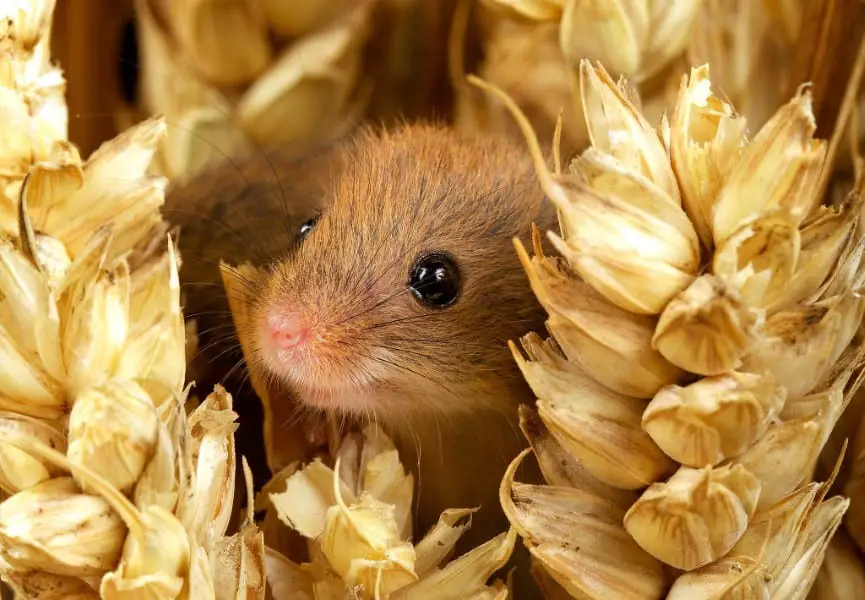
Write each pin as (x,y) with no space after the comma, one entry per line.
(402,292)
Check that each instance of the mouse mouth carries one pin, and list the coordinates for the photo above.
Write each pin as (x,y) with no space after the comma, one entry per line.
(320,383)
(347,399)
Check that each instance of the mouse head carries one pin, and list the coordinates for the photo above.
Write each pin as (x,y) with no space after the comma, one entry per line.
(402,293)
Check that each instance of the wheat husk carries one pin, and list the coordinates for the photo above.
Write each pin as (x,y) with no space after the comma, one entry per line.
(110,489)
(233,77)
(532,50)
(355,518)
(759,53)
(740,320)
(290,92)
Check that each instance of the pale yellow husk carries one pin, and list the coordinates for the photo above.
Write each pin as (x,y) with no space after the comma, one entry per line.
(356,519)
(110,489)
(703,312)
(532,50)
(235,76)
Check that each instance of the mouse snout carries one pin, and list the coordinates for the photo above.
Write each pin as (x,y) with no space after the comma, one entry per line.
(287,331)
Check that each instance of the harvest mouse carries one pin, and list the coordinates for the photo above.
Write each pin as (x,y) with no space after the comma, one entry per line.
(390,289)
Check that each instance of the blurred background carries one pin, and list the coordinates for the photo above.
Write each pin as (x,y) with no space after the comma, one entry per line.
(230,75)
(262,70)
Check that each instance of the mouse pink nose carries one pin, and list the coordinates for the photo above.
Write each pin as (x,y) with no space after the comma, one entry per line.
(287,331)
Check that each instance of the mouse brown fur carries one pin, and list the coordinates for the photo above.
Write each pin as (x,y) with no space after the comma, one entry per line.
(441,381)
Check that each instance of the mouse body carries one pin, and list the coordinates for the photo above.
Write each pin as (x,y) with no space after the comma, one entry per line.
(388,290)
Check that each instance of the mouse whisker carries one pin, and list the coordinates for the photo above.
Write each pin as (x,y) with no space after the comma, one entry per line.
(203,313)
(201,351)
(144,115)
(228,350)
(250,286)
(235,273)
(189,256)
(447,342)
(224,226)
(431,316)
(370,285)
(381,303)
(226,336)
(414,372)
(245,382)
(216,328)
(241,362)
(368,309)
(282,196)
(200,284)
(432,359)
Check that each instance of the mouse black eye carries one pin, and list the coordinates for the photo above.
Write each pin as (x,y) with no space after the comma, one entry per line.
(435,280)
(307,227)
